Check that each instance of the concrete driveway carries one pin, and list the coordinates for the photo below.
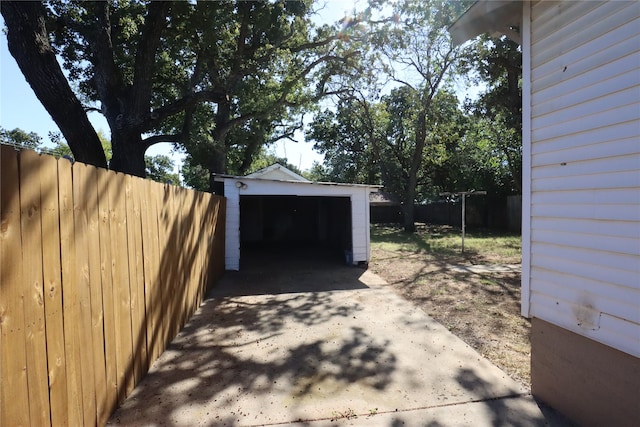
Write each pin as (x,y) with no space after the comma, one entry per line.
(321,345)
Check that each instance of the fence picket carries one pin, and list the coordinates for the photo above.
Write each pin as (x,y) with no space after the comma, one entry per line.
(109,325)
(121,294)
(136,273)
(193,251)
(52,281)
(183,211)
(165,238)
(83,283)
(35,340)
(172,283)
(95,294)
(156,331)
(71,318)
(14,407)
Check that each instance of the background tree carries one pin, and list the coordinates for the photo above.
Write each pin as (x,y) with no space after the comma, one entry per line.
(62,149)
(445,127)
(194,175)
(269,82)
(416,54)
(160,169)
(477,161)
(350,139)
(197,177)
(20,138)
(498,63)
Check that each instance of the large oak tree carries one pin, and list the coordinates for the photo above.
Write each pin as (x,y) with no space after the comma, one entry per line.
(190,73)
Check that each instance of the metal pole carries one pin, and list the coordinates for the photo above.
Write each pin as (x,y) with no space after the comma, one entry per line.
(464,194)
(463,217)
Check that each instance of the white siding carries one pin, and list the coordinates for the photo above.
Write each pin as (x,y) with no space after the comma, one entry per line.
(360,226)
(585,169)
(232,230)
(525,307)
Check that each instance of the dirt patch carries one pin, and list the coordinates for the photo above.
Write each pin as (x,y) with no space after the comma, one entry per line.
(482,308)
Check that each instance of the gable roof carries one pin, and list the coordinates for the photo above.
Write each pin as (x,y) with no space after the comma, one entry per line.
(277,172)
(488,16)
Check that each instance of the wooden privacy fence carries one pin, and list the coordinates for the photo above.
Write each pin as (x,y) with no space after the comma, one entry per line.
(98,272)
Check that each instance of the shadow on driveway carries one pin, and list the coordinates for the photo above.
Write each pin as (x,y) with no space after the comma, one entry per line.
(289,271)
(319,344)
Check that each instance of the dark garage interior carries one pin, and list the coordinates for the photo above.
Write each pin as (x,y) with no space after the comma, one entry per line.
(300,225)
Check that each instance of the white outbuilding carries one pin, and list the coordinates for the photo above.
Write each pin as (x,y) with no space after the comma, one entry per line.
(275,208)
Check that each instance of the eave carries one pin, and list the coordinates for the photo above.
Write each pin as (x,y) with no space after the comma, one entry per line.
(493,17)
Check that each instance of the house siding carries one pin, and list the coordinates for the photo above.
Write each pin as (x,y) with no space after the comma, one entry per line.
(585,169)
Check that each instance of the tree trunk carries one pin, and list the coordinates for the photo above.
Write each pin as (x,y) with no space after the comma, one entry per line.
(408,208)
(412,181)
(128,152)
(218,163)
(28,41)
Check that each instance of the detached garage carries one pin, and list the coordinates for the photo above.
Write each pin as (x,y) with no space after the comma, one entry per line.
(276,209)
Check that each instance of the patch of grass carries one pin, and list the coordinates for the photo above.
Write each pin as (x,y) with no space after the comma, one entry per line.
(438,291)
(445,242)
(489,282)
(460,307)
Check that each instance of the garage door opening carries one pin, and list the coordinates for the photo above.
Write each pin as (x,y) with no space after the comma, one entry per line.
(310,228)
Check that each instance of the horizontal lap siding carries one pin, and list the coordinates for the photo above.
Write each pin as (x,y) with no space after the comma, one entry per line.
(585,177)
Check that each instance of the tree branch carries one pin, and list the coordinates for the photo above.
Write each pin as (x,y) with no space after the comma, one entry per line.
(156,139)
(28,42)
(313,45)
(181,104)
(286,135)
(107,77)
(145,56)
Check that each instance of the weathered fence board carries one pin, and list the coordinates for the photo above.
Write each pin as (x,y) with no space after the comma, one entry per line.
(35,341)
(71,318)
(14,408)
(153,295)
(121,295)
(106,278)
(136,284)
(98,272)
(52,281)
(83,283)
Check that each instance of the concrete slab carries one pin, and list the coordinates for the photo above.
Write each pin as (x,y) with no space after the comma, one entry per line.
(336,348)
